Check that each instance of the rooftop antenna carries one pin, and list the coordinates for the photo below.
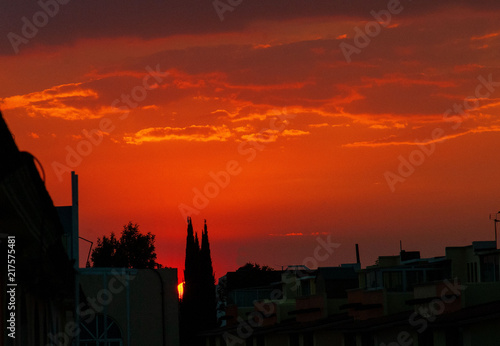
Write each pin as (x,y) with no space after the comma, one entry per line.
(494,217)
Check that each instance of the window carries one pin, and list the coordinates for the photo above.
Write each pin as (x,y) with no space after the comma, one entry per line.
(367,340)
(305,288)
(413,277)
(472,272)
(293,340)
(426,337)
(393,281)
(349,339)
(454,337)
(101,331)
(490,268)
(308,339)
(372,280)
(246,297)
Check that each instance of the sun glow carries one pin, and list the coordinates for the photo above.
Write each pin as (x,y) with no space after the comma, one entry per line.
(180,289)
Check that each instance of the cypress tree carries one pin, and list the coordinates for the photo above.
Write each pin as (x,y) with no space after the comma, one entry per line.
(208,282)
(198,306)
(188,317)
(189,264)
(197,283)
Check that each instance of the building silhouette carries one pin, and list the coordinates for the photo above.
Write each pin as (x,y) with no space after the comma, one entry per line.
(401,300)
(55,302)
(39,286)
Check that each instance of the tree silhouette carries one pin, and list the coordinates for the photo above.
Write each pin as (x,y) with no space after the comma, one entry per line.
(198,306)
(104,255)
(132,250)
(207,283)
(254,267)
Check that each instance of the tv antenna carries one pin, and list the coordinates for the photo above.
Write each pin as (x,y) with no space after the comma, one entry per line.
(494,217)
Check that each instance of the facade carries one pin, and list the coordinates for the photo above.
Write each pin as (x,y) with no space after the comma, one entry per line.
(442,301)
(284,307)
(122,307)
(453,300)
(45,298)
(37,289)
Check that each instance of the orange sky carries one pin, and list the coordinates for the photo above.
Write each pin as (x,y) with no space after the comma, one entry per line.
(325,122)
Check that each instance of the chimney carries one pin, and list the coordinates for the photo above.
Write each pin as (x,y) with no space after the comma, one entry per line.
(75,218)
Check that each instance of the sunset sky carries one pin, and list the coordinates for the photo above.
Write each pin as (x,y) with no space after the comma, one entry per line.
(334,121)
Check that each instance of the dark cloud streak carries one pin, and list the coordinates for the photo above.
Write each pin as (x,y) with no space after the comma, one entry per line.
(155,18)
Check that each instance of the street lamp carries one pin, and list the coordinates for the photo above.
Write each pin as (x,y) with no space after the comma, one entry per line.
(87,265)
(494,217)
